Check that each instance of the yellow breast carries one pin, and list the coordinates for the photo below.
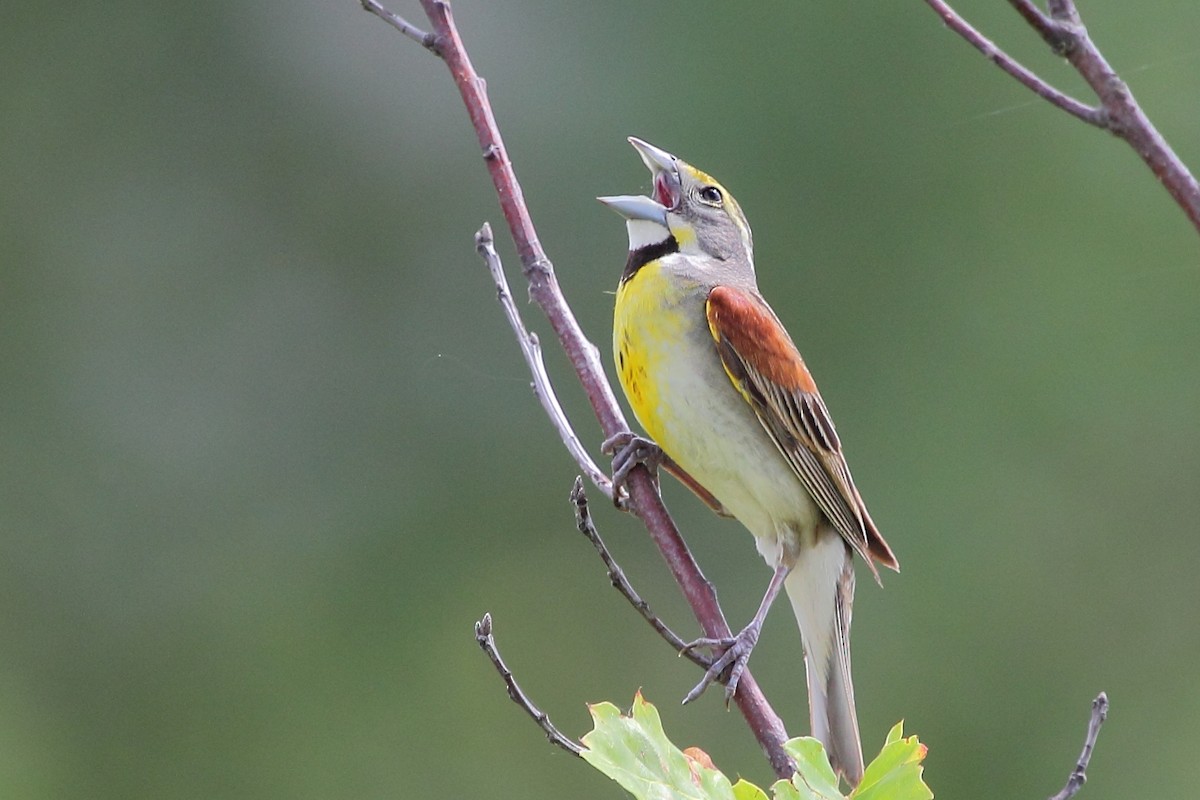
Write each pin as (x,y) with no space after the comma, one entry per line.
(678,388)
(649,327)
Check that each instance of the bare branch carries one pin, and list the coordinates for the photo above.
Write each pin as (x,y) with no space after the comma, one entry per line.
(616,576)
(487,642)
(532,349)
(1118,113)
(585,359)
(992,53)
(1079,775)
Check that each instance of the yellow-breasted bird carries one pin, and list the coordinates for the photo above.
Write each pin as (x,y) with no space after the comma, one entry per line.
(717,383)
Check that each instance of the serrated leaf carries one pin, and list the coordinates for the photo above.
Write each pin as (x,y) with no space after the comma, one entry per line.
(895,774)
(635,752)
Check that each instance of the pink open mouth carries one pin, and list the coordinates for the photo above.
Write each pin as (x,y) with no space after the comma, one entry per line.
(666,189)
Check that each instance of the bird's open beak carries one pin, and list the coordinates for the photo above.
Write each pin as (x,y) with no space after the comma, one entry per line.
(664,168)
(655,160)
(635,206)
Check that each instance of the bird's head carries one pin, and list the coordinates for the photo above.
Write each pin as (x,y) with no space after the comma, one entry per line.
(686,205)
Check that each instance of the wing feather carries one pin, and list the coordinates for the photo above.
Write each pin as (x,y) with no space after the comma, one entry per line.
(767,370)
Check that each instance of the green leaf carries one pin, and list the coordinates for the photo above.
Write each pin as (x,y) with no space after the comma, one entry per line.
(896,773)
(634,752)
(785,790)
(814,778)
(895,734)
(745,790)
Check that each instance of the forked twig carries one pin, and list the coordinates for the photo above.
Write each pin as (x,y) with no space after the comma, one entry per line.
(426,40)
(487,642)
(1004,61)
(1118,112)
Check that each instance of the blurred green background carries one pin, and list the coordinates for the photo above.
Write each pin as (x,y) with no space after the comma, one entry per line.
(269,447)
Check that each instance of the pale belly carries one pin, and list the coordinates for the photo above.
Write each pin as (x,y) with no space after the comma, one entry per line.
(686,402)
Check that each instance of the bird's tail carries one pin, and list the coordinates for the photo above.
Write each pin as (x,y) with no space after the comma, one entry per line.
(821,591)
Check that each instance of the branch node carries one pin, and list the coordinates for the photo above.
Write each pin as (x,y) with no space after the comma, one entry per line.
(1065,36)
(427,40)
(1063,11)
(539,268)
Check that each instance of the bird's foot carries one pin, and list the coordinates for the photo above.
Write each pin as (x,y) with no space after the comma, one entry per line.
(628,450)
(729,665)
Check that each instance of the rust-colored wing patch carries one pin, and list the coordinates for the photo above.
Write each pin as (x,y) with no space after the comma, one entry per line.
(755,333)
(766,368)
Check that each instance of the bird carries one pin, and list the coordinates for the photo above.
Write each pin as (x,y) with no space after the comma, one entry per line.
(731,409)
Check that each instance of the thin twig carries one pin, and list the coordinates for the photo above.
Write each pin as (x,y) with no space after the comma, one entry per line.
(426,40)
(1079,775)
(531,348)
(487,642)
(616,576)
(544,290)
(1004,61)
(1118,112)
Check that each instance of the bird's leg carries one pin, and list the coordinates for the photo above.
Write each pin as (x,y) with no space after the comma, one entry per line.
(737,648)
(628,450)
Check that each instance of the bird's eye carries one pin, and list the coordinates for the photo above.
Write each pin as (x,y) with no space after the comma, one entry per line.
(711,195)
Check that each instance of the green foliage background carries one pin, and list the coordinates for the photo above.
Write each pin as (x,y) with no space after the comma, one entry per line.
(269,449)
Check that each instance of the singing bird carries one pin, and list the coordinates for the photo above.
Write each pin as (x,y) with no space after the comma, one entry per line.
(717,383)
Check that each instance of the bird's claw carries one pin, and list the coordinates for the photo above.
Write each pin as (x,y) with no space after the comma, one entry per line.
(727,667)
(629,450)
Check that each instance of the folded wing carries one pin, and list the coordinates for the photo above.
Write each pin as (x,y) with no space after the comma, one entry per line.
(767,370)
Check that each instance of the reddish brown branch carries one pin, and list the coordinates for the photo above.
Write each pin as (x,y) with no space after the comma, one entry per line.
(584,357)
(1118,112)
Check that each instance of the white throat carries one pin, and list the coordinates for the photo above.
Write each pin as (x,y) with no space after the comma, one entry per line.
(643,232)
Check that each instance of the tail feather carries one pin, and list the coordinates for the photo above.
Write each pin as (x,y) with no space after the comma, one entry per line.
(821,591)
